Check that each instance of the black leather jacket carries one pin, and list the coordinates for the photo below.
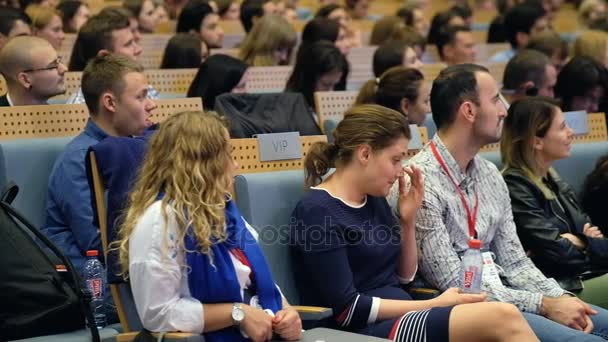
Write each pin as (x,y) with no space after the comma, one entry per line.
(541,221)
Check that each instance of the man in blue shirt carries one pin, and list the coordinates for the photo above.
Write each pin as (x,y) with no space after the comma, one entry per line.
(115,89)
(522,22)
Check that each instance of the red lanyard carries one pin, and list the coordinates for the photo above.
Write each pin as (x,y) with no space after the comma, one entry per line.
(471,217)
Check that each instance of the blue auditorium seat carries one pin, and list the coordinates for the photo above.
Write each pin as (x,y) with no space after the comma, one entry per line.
(28,162)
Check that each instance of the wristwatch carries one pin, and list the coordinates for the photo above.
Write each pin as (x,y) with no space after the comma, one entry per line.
(238,314)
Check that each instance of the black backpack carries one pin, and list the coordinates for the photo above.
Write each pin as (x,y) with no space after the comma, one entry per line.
(40,292)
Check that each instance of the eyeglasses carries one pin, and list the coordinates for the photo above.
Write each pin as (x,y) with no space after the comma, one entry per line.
(53,65)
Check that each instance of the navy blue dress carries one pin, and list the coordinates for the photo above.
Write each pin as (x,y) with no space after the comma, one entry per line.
(346,258)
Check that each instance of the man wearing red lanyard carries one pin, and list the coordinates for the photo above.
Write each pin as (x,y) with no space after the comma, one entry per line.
(466,197)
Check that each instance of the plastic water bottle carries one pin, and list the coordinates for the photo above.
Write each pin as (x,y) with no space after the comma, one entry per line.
(95,282)
(473,267)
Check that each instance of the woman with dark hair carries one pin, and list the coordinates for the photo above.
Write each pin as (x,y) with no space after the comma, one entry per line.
(145,13)
(582,85)
(184,50)
(319,67)
(218,75)
(74,13)
(392,54)
(401,89)
(338,14)
(324,29)
(228,9)
(557,234)
(594,194)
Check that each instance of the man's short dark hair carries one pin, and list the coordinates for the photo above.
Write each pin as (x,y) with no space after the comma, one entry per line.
(407,14)
(326,10)
(8,17)
(525,66)
(464,11)
(95,35)
(250,9)
(447,35)
(454,85)
(521,18)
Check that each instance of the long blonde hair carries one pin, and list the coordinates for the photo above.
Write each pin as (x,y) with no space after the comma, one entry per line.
(269,34)
(186,160)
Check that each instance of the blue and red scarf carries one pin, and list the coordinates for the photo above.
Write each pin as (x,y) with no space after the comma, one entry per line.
(214,280)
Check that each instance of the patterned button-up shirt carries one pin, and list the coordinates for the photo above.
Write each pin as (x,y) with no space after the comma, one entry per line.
(442,230)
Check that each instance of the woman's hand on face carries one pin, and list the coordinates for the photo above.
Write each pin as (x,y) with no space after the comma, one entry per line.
(410,199)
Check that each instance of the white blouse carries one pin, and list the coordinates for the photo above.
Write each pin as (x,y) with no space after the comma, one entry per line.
(159,279)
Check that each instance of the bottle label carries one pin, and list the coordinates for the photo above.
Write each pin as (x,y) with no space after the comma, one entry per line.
(491,277)
(468,279)
(94,286)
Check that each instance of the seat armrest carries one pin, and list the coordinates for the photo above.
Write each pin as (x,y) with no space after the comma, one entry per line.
(422,293)
(313,313)
(167,337)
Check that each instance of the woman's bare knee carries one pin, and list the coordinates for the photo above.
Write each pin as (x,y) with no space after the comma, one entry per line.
(493,321)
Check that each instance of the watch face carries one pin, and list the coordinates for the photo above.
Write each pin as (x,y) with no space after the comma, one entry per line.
(238,314)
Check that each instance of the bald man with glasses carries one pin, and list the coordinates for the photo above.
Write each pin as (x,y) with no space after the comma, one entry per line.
(32,70)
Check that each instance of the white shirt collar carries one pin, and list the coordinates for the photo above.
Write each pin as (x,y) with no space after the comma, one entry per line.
(8,99)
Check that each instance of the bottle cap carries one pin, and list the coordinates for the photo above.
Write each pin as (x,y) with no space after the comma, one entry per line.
(92,252)
(475,243)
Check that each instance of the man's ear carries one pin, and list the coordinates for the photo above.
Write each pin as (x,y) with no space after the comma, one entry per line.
(468,110)
(522,39)
(103,52)
(3,40)
(526,86)
(447,51)
(24,80)
(108,102)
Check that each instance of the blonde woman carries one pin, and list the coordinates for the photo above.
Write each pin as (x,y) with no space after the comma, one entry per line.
(592,44)
(269,43)
(193,262)
(46,24)
(590,12)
